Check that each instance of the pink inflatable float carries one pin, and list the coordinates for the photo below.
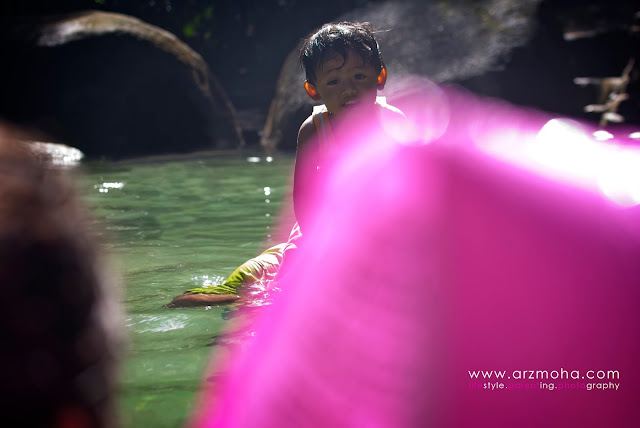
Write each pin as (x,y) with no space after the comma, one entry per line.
(487,274)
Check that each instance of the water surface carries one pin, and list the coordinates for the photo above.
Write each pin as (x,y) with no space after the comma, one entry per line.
(172,225)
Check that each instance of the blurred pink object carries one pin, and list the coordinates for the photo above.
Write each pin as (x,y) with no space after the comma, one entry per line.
(428,262)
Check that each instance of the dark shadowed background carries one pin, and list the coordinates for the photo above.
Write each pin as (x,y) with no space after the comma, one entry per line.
(245,44)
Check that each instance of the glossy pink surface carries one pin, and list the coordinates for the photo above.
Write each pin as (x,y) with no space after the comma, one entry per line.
(481,247)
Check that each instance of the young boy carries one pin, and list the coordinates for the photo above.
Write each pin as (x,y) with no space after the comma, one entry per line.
(344,69)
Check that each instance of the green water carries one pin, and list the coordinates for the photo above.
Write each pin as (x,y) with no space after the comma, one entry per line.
(172,225)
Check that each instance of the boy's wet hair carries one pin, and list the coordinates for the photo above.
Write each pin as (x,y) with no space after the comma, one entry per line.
(338,38)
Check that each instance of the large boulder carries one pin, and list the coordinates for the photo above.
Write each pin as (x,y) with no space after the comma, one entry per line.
(112,86)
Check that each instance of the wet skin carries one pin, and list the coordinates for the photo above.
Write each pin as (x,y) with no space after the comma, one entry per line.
(345,83)
(189,299)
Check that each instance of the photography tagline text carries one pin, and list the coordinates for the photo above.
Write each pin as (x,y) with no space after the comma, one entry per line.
(554,380)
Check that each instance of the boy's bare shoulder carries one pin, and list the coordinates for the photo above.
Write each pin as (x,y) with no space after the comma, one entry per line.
(306,132)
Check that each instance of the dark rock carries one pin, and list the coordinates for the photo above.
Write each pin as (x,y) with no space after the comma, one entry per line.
(112,86)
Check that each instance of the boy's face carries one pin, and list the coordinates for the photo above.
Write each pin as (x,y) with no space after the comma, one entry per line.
(346,83)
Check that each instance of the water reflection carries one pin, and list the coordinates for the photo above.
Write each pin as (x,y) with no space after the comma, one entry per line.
(175,225)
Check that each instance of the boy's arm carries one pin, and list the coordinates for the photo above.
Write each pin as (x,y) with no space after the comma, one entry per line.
(305,172)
